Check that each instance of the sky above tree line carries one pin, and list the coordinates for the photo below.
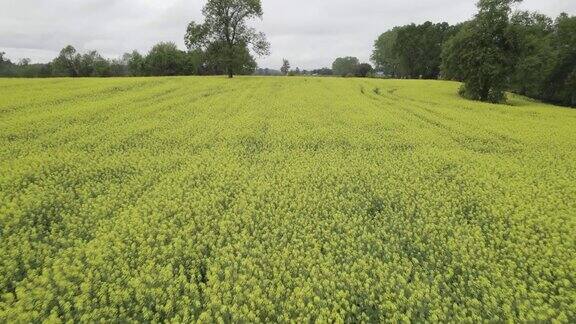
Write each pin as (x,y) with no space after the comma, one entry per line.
(310,33)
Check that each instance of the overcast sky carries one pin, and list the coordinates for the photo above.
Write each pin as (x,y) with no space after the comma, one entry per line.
(310,33)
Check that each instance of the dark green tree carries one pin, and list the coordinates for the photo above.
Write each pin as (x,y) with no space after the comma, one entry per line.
(412,51)
(193,62)
(418,49)
(165,59)
(214,63)
(384,57)
(323,71)
(118,67)
(484,53)
(136,63)
(345,66)
(363,70)
(68,62)
(560,84)
(536,56)
(226,29)
(92,64)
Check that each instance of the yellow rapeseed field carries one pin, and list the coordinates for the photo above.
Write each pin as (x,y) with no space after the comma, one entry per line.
(282,199)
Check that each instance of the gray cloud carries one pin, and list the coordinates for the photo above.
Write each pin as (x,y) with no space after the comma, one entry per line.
(310,33)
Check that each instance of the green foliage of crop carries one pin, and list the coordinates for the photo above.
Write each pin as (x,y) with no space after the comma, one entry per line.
(276,200)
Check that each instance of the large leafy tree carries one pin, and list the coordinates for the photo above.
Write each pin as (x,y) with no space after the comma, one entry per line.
(165,59)
(384,57)
(215,63)
(484,53)
(536,56)
(68,62)
(226,29)
(419,47)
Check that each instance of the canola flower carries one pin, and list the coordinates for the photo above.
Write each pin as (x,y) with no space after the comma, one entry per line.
(282,200)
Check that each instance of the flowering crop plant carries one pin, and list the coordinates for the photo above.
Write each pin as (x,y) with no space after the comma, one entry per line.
(187,199)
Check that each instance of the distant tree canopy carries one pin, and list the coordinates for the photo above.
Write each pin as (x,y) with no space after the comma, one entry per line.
(363,70)
(267,72)
(93,64)
(136,63)
(68,62)
(345,66)
(23,68)
(350,66)
(71,63)
(323,72)
(412,51)
(167,59)
(163,59)
(225,36)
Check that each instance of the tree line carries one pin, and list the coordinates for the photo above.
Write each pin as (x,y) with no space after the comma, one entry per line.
(348,66)
(497,51)
(164,59)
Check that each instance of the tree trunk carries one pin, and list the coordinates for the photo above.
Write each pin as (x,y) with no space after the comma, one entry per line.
(484,92)
(230,59)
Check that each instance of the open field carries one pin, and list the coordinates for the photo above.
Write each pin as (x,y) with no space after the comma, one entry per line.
(276,199)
